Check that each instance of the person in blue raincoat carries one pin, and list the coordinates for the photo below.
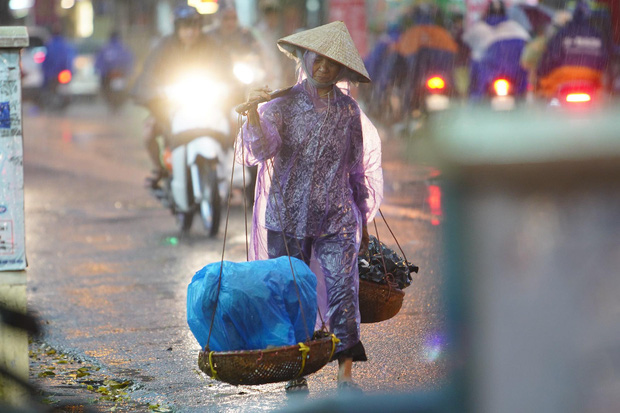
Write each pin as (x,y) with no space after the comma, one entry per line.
(113,60)
(59,56)
(386,68)
(577,52)
(496,44)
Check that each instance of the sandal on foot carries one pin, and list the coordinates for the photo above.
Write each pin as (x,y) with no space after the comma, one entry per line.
(349,387)
(299,385)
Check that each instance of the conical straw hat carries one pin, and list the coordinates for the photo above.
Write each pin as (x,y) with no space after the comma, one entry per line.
(331,40)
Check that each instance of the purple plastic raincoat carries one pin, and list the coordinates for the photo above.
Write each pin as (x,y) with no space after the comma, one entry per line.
(319,179)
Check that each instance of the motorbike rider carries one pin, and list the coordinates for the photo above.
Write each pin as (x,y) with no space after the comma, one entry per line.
(386,68)
(496,44)
(187,49)
(229,34)
(59,57)
(577,52)
(462,58)
(239,42)
(114,58)
(426,47)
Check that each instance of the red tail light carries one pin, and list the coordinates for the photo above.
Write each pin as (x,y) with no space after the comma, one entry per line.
(501,87)
(39,57)
(580,97)
(64,77)
(436,84)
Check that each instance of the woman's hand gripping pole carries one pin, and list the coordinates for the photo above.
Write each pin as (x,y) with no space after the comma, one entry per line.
(256,96)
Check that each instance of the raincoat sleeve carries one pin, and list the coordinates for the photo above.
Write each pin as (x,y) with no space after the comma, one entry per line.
(260,142)
(366,174)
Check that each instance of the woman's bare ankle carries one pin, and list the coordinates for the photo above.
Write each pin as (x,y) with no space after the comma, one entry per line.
(344,369)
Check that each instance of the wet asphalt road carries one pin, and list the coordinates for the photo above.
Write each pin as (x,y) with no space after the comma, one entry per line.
(109,280)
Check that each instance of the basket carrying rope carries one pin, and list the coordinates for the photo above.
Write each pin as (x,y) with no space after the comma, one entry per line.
(273,364)
(380,302)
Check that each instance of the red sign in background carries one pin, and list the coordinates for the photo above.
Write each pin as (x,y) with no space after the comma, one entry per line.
(353,14)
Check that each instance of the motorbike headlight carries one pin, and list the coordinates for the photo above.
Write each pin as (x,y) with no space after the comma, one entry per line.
(199,91)
(244,72)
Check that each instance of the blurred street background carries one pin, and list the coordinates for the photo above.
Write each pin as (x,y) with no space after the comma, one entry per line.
(108,269)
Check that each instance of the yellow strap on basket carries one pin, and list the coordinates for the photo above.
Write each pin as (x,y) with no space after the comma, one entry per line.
(213,372)
(304,353)
(335,340)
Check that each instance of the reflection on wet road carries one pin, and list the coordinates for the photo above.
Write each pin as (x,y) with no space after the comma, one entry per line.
(109,274)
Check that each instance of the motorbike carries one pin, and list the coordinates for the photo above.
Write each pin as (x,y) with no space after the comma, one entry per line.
(198,153)
(437,93)
(501,80)
(428,88)
(114,88)
(502,94)
(55,94)
(432,94)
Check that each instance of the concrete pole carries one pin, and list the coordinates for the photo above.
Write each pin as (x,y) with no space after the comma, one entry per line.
(13,342)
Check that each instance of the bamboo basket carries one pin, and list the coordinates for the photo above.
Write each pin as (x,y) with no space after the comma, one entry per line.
(271,365)
(379,302)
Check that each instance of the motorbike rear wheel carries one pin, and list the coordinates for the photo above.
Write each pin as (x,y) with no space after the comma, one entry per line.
(185,219)
(211,203)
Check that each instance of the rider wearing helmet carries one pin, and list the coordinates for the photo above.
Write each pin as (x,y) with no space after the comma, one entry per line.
(496,43)
(427,48)
(577,52)
(185,50)
(60,57)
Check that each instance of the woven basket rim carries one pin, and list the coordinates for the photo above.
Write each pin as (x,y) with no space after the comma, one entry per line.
(396,290)
(267,350)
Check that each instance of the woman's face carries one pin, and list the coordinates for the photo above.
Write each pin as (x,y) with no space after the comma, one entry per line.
(325,70)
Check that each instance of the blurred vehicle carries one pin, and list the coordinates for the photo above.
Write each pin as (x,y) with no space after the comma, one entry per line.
(85,82)
(431,77)
(114,65)
(576,58)
(497,44)
(78,81)
(425,56)
(437,93)
(429,52)
(57,70)
(502,93)
(32,58)
(198,154)
(500,71)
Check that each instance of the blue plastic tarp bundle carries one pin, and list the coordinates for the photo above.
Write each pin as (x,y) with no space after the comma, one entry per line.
(258,304)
